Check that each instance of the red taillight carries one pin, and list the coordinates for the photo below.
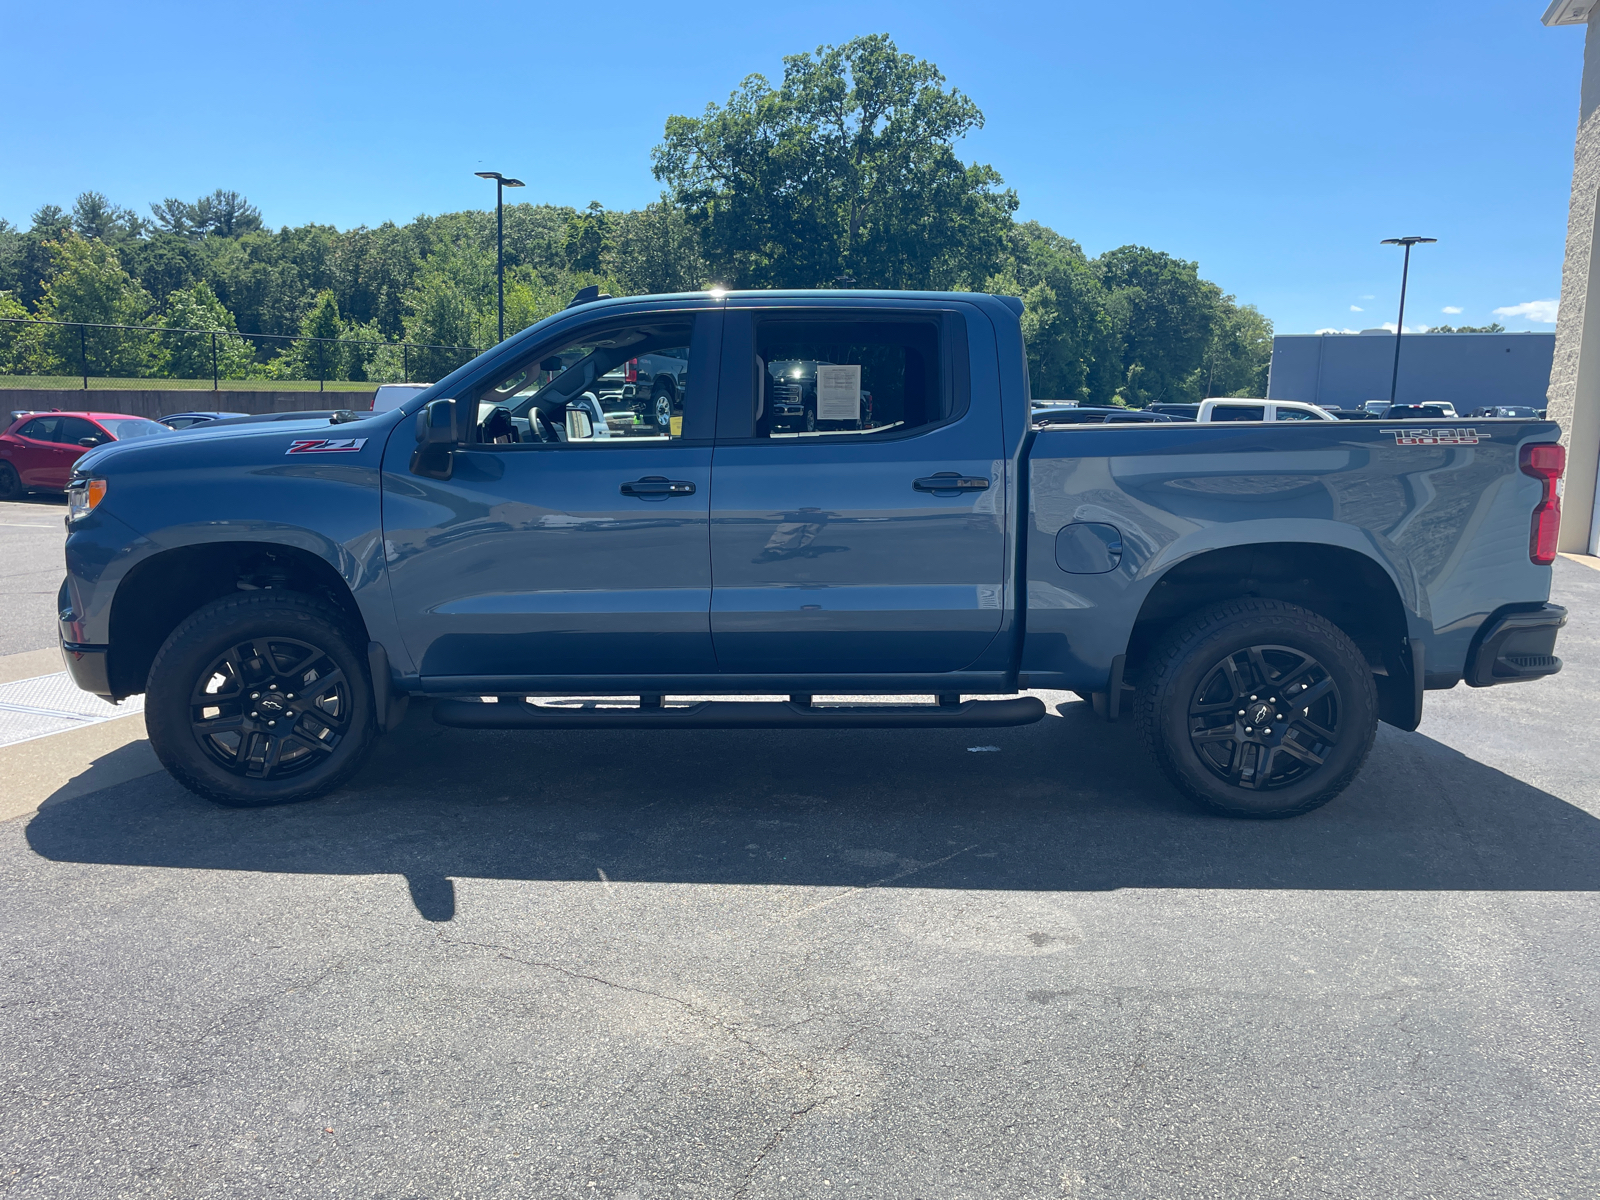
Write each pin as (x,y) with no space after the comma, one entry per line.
(633,370)
(1545,461)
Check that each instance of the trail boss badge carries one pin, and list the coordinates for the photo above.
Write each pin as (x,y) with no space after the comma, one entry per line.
(326,445)
(1435,437)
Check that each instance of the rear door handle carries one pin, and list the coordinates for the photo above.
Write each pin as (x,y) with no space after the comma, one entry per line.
(949,481)
(657,487)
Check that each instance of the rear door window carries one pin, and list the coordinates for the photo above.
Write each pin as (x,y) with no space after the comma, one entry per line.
(41,429)
(863,377)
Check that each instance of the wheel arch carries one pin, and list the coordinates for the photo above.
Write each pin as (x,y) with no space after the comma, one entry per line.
(1353,590)
(159,592)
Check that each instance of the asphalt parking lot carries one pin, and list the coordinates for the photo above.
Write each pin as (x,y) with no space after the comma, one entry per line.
(775,964)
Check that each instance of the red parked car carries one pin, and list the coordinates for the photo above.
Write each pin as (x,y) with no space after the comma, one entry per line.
(38,450)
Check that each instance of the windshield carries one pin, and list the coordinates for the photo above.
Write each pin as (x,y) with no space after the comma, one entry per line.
(131,427)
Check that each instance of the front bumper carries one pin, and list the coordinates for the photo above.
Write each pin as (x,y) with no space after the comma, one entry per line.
(85,663)
(87,666)
(1516,646)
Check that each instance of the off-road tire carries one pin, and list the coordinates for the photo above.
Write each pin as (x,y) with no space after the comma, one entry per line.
(1194,650)
(196,644)
(10,483)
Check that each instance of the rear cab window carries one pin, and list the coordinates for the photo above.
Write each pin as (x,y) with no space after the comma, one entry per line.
(798,376)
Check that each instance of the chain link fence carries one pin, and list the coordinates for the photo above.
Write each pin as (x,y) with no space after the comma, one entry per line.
(83,355)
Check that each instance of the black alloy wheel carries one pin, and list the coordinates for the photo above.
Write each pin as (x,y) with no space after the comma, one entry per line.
(10,484)
(261,698)
(1258,708)
(661,406)
(1265,717)
(270,707)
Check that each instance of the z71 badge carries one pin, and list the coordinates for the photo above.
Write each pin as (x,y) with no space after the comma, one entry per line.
(326,446)
(1435,437)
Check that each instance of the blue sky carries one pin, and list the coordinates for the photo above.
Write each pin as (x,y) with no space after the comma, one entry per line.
(1274,143)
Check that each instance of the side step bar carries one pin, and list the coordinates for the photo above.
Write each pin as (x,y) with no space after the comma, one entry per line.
(742,714)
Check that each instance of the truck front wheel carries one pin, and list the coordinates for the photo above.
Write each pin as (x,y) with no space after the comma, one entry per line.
(261,698)
(1258,708)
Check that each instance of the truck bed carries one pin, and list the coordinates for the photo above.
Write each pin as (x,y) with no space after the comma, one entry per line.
(1435,521)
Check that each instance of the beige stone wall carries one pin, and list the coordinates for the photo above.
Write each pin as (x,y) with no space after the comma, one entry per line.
(1574,395)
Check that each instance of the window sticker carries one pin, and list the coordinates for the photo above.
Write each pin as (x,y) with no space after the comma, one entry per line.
(838,393)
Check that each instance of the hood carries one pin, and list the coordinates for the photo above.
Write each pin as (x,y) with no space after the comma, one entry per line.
(221,445)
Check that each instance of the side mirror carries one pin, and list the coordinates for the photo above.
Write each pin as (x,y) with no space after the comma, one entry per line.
(436,424)
(579,426)
(437,439)
(90,442)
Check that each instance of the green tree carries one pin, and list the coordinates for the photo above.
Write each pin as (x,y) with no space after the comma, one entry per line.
(96,218)
(443,314)
(221,214)
(21,345)
(1493,327)
(588,238)
(1067,324)
(89,285)
(655,250)
(164,263)
(848,169)
(321,356)
(185,355)
(1238,356)
(34,262)
(1163,312)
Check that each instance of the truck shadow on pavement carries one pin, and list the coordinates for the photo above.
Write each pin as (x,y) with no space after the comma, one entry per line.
(1066,805)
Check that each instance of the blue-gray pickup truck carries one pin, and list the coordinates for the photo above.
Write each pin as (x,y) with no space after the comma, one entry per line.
(1257,596)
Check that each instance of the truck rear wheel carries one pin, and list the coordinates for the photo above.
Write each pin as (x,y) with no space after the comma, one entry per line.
(1258,708)
(661,402)
(261,698)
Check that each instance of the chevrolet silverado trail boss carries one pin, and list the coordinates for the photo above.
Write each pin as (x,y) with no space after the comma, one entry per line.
(1257,594)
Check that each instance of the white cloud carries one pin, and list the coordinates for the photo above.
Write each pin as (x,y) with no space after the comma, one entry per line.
(1357,308)
(1366,297)
(1543,311)
(1389,325)
(1330,329)
(1451,309)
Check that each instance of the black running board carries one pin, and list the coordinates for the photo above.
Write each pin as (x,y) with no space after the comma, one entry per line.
(741,714)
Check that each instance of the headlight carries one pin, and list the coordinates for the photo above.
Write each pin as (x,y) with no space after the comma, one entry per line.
(82,497)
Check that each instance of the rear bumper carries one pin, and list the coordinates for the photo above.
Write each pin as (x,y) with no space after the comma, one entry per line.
(87,666)
(1516,646)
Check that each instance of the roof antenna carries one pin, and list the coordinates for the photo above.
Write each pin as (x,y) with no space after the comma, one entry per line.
(589,295)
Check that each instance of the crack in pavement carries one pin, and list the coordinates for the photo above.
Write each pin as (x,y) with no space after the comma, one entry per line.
(866,887)
(502,952)
(772,1143)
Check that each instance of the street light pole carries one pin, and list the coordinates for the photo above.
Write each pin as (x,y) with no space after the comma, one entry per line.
(501,182)
(1400,321)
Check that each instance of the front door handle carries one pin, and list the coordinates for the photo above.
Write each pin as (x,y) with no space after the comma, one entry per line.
(949,481)
(657,487)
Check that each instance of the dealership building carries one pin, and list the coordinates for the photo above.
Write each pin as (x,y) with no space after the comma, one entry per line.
(1469,370)
(1575,371)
